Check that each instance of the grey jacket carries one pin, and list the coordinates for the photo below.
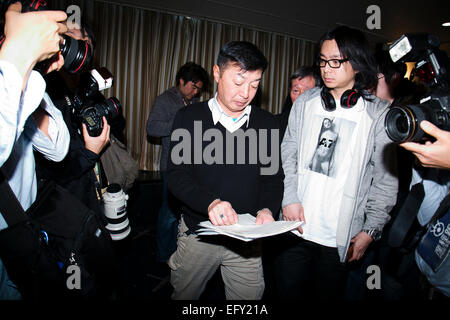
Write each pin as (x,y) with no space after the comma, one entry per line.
(378,183)
(160,119)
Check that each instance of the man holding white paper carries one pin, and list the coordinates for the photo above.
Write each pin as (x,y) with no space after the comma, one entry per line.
(219,190)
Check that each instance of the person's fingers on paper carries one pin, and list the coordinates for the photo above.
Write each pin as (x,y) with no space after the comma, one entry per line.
(294,212)
(234,216)
(301,218)
(291,212)
(218,216)
(221,219)
(229,215)
(264,216)
(214,217)
(222,213)
(212,212)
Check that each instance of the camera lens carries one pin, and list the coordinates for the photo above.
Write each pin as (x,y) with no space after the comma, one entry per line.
(77,54)
(402,124)
(399,124)
(110,108)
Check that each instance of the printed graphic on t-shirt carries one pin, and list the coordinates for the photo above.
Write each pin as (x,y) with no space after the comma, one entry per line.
(333,143)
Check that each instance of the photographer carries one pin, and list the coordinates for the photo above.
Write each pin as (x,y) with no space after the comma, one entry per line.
(28,118)
(436,185)
(76,171)
(421,228)
(81,172)
(432,70)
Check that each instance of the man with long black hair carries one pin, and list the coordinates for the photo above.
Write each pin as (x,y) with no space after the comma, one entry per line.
(345,206)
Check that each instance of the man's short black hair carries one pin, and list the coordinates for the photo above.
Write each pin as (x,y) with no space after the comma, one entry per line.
(354,46)
(387,67)
(304,72)
(191,71)
(86,31)
(244,53)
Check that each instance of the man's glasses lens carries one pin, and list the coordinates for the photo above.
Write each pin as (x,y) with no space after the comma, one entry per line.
(333,63)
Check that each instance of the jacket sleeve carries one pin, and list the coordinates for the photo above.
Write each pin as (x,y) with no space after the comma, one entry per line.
(180,174)
(56,148)
(15,106)
(289,155)
(382,194)
(160,119)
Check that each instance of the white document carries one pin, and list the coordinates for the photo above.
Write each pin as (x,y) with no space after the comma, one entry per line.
(247,230)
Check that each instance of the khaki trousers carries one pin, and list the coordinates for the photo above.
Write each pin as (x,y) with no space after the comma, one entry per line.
(197,258)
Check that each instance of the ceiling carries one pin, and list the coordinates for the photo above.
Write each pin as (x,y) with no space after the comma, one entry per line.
(310,19)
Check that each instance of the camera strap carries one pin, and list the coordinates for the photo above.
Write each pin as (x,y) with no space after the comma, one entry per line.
(403,233)
(10,207)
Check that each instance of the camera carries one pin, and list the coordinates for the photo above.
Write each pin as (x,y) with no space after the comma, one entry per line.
(402,123)
(77,53)
(89,105)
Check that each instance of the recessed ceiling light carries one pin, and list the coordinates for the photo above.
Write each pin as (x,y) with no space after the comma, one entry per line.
(446,24)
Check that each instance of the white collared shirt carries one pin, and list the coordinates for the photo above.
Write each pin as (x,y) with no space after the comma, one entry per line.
(20,135)
(227,121)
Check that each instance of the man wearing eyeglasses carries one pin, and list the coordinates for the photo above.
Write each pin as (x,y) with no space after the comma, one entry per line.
(191,78)
(346,206)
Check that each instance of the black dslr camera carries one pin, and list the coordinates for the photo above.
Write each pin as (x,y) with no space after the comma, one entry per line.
(402,123)
(77,53)
(89,105)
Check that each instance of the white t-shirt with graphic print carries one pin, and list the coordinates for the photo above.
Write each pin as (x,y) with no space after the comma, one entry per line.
(330,157)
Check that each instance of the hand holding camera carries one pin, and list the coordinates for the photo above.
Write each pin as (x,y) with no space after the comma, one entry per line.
(89,107)
(96,144)
(433,155)
(31,37)
(36,39)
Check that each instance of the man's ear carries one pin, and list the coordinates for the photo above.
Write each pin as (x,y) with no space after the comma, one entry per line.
(216,72)
(181,82)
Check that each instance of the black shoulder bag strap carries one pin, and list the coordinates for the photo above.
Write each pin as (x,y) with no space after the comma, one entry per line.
(10,207)
(406,224)
(444,206)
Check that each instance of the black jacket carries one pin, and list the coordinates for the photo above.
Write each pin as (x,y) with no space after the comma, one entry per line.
(75,172)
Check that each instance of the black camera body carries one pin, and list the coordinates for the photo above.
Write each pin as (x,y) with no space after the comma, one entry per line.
(89,106)
(402,123)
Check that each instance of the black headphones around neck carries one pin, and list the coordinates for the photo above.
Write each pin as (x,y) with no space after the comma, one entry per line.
(348,99)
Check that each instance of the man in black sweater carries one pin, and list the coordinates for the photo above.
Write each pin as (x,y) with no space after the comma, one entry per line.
(224,161)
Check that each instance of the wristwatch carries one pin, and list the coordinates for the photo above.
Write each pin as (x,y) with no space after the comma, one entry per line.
(374,233)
